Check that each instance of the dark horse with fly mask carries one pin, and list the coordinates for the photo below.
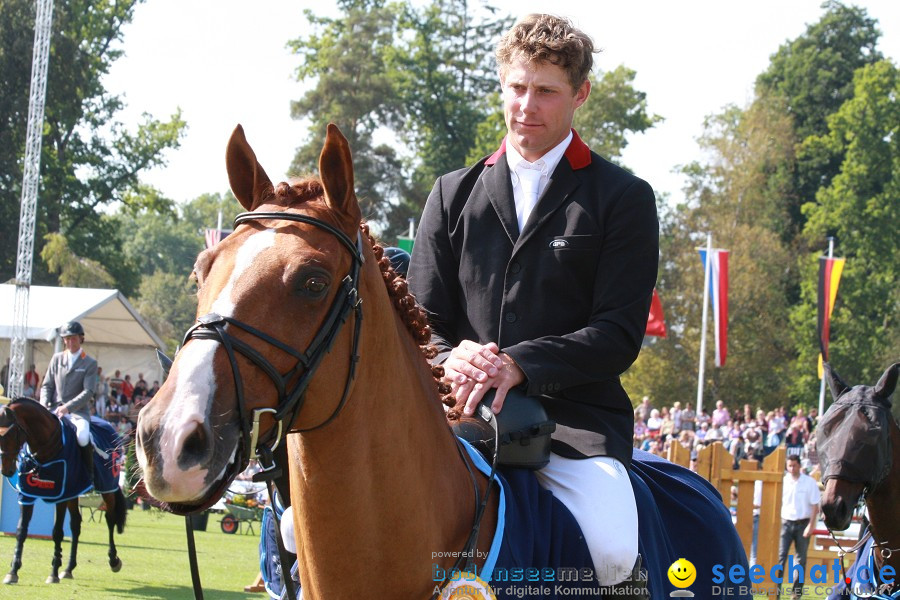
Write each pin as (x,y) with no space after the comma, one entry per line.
(39,453)
(859,448)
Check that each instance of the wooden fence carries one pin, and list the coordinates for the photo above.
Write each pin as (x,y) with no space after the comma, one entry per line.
(715,464)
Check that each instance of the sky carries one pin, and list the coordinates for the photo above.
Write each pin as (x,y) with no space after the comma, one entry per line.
(224,62)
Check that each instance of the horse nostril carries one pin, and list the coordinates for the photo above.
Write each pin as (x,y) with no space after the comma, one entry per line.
(196,444)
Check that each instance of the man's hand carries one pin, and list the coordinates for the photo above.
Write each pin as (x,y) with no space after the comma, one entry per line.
(472,369)
(61,411)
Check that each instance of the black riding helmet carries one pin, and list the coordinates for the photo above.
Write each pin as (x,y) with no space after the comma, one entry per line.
(71,328)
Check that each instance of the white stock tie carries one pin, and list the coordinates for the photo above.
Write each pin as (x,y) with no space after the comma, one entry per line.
(530,180)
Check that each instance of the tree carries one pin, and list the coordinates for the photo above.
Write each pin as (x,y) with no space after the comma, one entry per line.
(169,303)
(74,271)
(613,111)
(813,75)
(860,208)
(355,88)
(737,197)
(88,159)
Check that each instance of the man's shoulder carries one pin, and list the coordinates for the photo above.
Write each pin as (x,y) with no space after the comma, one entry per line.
(610,171)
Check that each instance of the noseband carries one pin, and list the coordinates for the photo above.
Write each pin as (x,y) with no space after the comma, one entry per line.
(290,400)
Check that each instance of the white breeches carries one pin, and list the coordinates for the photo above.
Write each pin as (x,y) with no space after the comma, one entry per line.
(82,428)
(287,530)
(597,491)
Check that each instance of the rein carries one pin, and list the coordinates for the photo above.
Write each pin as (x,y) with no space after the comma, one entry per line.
(52,447)
(290,401)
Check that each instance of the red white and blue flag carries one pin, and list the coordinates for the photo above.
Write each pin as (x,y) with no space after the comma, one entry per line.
(718,293)
(214,236)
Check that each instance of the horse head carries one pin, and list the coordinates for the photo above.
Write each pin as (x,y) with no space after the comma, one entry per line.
(25,420)
(11,440)
(855,443)
(245,369)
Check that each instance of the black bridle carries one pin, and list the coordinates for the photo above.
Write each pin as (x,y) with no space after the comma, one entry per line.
(290,400)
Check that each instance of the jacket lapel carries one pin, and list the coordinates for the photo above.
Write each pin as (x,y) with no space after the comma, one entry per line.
(498,186)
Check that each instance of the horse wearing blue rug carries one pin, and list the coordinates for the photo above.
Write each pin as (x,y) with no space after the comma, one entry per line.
(40,456)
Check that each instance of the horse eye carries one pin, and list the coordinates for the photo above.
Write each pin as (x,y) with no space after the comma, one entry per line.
(315,285)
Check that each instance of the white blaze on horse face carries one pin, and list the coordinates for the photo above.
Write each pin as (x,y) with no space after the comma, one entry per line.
(196,384)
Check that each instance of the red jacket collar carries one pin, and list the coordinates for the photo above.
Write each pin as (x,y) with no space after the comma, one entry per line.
(578,153)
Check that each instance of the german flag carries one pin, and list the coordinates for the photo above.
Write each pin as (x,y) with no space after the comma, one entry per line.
(829,277)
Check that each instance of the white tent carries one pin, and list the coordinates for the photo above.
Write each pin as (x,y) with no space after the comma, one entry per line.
(115,334)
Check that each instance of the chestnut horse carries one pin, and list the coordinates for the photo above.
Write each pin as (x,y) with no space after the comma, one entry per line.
(859,446)
(32,437)
(385,497)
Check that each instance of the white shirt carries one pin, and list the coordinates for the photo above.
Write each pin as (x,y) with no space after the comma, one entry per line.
(546,165)
(71,358)
(798,497)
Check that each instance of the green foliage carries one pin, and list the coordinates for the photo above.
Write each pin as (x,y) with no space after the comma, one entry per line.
(89,160)
(823,125)
(613,110)
(813,76)
(860,208)
(73,270)
(168,302)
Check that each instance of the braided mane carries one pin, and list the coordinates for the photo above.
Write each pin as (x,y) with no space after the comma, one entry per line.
(411,314)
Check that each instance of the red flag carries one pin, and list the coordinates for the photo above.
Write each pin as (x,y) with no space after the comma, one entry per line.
(656,322)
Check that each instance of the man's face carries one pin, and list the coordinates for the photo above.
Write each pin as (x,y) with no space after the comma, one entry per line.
(538,106)
(793,467)
(72,343)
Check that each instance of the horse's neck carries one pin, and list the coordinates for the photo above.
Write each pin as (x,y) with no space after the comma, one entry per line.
(383,487)
(882,505)
(42,431)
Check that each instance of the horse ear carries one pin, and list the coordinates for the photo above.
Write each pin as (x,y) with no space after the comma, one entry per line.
(336,172)
(888,382)
(248,180)
(835,384)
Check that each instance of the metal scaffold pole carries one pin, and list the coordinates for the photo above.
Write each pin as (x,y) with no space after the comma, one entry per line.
(31,181)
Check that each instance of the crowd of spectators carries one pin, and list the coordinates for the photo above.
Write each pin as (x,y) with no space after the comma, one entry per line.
(746,433)
(118,399)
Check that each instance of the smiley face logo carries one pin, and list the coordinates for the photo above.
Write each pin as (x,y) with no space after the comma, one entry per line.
(682,573)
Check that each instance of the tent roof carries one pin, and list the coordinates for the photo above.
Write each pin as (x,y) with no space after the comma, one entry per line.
(107,317)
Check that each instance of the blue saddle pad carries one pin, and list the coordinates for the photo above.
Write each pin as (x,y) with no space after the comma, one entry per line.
(64,477)
(539,551)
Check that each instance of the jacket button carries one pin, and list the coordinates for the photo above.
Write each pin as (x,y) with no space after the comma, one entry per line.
(556,387)
(515,267)
(511,317)
(543,388)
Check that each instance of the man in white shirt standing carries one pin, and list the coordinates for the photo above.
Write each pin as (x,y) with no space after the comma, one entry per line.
(799,511)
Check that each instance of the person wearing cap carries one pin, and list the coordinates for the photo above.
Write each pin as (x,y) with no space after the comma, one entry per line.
(69,386)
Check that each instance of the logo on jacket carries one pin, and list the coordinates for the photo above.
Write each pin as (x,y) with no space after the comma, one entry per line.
(559,244)
(36,482)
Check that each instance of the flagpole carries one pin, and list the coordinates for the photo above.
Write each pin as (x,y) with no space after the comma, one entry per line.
(822,386)
(707,268)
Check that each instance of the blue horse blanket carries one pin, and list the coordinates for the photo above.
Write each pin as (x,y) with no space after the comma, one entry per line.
(865,580)
(538,550)
(64,477)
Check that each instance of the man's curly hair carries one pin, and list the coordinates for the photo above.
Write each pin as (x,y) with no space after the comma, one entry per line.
(540,38)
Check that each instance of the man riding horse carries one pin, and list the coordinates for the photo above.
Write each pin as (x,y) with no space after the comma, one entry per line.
(69,386)
(536,268)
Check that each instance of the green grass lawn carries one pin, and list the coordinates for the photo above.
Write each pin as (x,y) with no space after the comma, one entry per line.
(154,552)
